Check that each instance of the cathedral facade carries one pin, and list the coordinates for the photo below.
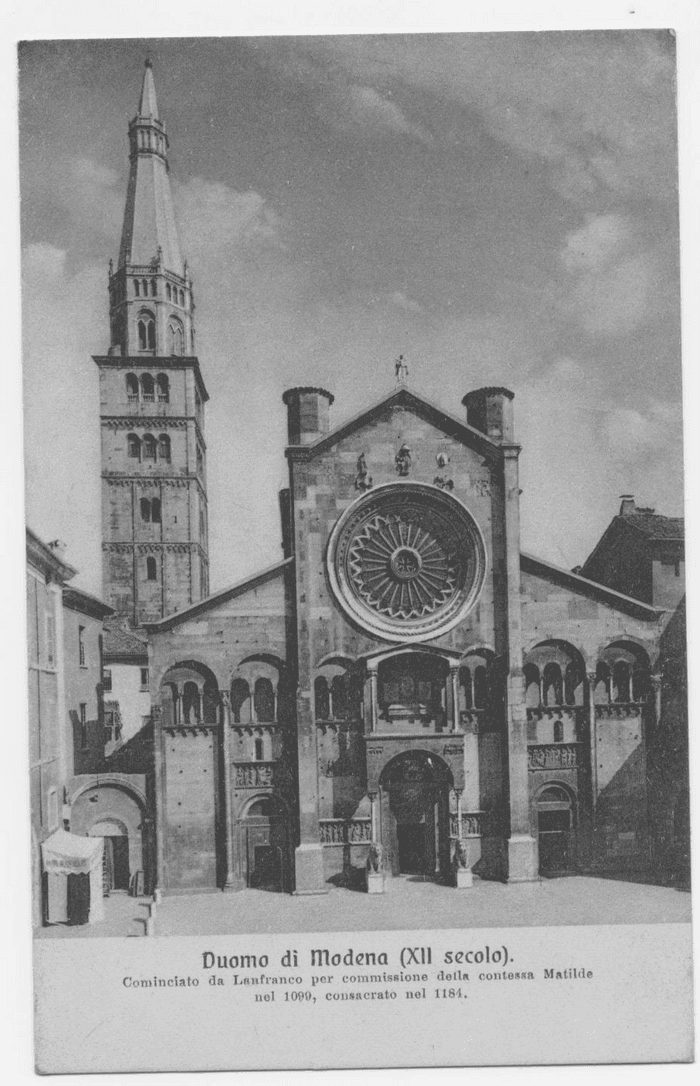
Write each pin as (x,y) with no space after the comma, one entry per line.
(405,682)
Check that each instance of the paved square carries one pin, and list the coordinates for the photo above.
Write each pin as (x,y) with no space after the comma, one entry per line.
(406,904)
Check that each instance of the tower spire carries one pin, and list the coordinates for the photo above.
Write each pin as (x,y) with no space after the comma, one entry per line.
(150,265)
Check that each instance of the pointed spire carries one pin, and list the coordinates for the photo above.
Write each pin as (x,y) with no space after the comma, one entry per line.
(148,105)
(149,233)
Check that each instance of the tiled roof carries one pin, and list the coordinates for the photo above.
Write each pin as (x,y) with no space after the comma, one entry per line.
(655,526)
(121,640)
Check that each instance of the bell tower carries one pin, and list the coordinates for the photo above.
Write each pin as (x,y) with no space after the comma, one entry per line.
(154,498)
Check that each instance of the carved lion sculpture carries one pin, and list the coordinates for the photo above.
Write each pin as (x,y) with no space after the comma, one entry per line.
(375,858)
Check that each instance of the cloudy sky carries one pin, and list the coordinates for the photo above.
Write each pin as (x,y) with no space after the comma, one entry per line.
(500,208)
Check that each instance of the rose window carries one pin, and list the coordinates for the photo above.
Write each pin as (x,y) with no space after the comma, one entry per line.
(406,561)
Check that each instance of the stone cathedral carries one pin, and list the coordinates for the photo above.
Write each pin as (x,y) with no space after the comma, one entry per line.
(404,677)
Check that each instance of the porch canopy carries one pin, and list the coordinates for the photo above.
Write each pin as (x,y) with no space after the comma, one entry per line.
(67,854)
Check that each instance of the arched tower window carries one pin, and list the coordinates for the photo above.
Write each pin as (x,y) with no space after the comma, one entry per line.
(149,447)
(259,750)
(151,569)
(133,445)
(558,731)
(339,695)
(532,685)
(155,510)
(137,288)
(164,447)
(147,388)
(163,387)
(182,298)
(176,337)
(480,687)
(145,510)
(264,701)
(621,682)
(132,388)
(146,327)
(154,288)
(168,292)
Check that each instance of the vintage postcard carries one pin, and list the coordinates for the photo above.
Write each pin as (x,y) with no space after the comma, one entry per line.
(355,551)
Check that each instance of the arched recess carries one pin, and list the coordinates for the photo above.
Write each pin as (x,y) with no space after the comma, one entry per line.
(265,843)
(627,667)
(189,694)
(337,684)
(475,679)
(555,817)
(261,691)
(560,670)
(412,690)
(107,807)
(414,819)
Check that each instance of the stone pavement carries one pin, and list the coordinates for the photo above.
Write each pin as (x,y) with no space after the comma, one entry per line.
(407,903)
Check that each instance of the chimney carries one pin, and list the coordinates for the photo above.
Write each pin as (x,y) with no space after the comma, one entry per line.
(627,506)
(308,414)
(490,410)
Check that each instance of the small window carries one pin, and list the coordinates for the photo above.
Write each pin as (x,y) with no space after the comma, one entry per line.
(81,646)
(146,327)
(50,640)
(137,288)
(144,287)
(168,292)
(151,569)
(132,388)
(147,387)
(163,386)
(154,288)
(82,709)
(200,460)
(558,731)
(145,510)
(133,445)
(155,510)
(182,298)
(149,447)
(164,448)
(176,337)
(107,680)
(677,569)
(144,678)
(259,753)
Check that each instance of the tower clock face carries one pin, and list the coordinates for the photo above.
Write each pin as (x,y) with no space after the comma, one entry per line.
(406,561)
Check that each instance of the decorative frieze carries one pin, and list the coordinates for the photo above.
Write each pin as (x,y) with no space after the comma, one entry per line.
(549,712)
(620,710)
(148,422)
(553,756)
(153,548)
(338,831)
(472,824)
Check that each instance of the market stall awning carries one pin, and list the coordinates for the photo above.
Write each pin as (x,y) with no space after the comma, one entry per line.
(67,854)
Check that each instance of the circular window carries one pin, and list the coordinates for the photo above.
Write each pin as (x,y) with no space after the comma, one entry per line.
(406,561)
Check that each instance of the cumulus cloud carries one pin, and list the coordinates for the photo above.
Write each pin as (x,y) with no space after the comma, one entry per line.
(598,108)
(215,219)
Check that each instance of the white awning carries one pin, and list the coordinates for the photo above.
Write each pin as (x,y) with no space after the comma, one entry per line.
(67,854)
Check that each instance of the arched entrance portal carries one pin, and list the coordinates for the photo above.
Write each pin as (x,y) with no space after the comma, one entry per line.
(556,830)
(414,805)
(265,845)
(116,873)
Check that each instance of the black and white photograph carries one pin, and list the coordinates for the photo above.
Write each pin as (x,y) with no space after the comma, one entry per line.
(355,549)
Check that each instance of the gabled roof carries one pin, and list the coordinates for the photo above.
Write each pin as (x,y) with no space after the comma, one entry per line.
(78,600)
(654,525)
(122,642)
(399,397)
(222,596)
(583,587)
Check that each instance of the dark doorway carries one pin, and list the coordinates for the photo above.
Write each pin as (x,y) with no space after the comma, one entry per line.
(555,832)
(267,868)
(413,858)
(115,866)
(265,845)
(414,815)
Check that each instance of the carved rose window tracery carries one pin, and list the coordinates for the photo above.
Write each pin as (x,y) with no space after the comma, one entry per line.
(407,561)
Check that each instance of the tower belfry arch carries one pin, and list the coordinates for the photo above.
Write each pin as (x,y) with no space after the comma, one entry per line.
(152,396)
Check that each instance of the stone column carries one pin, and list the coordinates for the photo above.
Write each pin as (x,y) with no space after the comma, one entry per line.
(592,739)
(373,696)
(656,687)
(522,846)
(160,880)
(230,882)
(374,811)
(454,681)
